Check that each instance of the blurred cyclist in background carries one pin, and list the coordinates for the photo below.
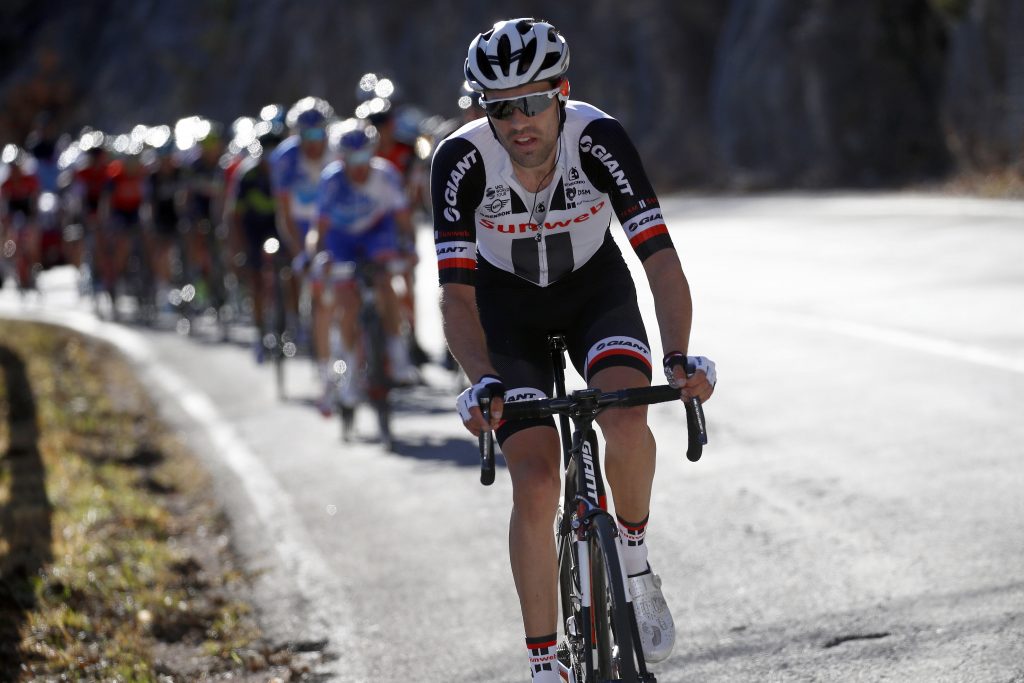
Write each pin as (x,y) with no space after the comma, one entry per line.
(252,212)
(19,229)
(470,108)
(87,188)
(363,208)
(165,210)
(121,225)
(398,127)
(296,166)
(204,183)
(44,144)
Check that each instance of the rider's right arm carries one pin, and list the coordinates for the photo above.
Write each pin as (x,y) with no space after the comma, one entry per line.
(457,181)
(463,331)
(466,341)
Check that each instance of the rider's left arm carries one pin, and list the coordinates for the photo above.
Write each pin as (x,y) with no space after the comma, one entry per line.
(674,308)
(672,301)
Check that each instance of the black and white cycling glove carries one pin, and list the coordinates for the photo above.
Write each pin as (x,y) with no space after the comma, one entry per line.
(489,386)
(691,364)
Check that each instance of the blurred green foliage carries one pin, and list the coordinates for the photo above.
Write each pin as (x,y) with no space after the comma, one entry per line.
(953,9)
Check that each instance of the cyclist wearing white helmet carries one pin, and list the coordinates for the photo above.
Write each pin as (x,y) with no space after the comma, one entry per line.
(296,167)
(362,211)
(523,201)
(297,164)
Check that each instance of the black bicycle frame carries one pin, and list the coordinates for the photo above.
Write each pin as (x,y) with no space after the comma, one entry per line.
(584,491)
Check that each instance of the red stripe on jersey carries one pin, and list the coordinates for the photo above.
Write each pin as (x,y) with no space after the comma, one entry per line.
(457,263)
(618,352)
(647,234)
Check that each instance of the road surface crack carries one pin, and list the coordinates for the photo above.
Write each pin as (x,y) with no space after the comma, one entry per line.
(839,640)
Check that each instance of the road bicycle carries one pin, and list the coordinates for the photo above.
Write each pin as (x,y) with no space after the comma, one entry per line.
(373,373)
(275,338)
(600,637)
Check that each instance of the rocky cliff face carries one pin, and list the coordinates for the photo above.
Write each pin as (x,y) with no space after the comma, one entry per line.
(752,92)
(984,94)
(830,92)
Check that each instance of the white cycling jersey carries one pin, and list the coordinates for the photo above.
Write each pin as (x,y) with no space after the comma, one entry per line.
(480,207)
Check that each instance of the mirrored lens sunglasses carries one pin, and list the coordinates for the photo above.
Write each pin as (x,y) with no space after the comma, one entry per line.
(313,134)
(531,105)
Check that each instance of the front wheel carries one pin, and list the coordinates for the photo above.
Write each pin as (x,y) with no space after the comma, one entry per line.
(279,374)
(383,408)
(611,612)
(347,414)
(572,647)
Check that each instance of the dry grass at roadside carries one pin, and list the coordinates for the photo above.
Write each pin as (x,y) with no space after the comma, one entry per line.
(114,560)
(1007,183)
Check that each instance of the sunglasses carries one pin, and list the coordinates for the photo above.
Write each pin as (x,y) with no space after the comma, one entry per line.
(531,105)
(360,157)
(313,134)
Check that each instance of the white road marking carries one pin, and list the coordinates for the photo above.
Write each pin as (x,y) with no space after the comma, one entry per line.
(297,553)
(936,346)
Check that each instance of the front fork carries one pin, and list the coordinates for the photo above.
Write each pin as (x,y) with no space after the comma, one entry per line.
(579,622)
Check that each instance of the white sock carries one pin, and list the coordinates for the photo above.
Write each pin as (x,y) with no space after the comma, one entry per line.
(398,354)
(634,549)
(543,661)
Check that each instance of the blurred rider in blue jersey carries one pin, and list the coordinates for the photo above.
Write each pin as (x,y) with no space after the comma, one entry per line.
(296,166)
(363,210)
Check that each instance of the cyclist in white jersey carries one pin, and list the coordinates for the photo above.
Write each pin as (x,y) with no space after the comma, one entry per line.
(362,210)
(296,166)
(523,201)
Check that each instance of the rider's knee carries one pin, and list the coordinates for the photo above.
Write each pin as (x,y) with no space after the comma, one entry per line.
(536,486)
(624,426)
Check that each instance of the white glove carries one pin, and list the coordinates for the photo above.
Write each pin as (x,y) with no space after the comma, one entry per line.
(489,386)
(691,364)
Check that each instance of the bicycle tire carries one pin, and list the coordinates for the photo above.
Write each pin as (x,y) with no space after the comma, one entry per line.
(279,372)
(383,409)
(612,629)
(377,376)
(347,414)
(280,330)
(568,580)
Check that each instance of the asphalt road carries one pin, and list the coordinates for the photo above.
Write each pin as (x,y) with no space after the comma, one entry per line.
(858,514)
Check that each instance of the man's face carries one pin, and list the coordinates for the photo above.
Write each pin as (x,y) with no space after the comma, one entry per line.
(358,173)
(314,142)
(529,140)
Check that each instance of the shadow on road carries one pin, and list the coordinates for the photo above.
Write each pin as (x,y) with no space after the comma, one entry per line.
(25,518)
(458,451)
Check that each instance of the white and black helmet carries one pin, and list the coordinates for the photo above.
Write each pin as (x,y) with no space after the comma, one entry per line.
(514,53)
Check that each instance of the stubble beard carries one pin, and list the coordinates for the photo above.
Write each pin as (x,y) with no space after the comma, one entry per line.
(532,159)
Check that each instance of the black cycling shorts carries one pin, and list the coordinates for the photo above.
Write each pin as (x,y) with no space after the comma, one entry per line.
(165,222)
(595,308)
(257,232)
(124,221)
